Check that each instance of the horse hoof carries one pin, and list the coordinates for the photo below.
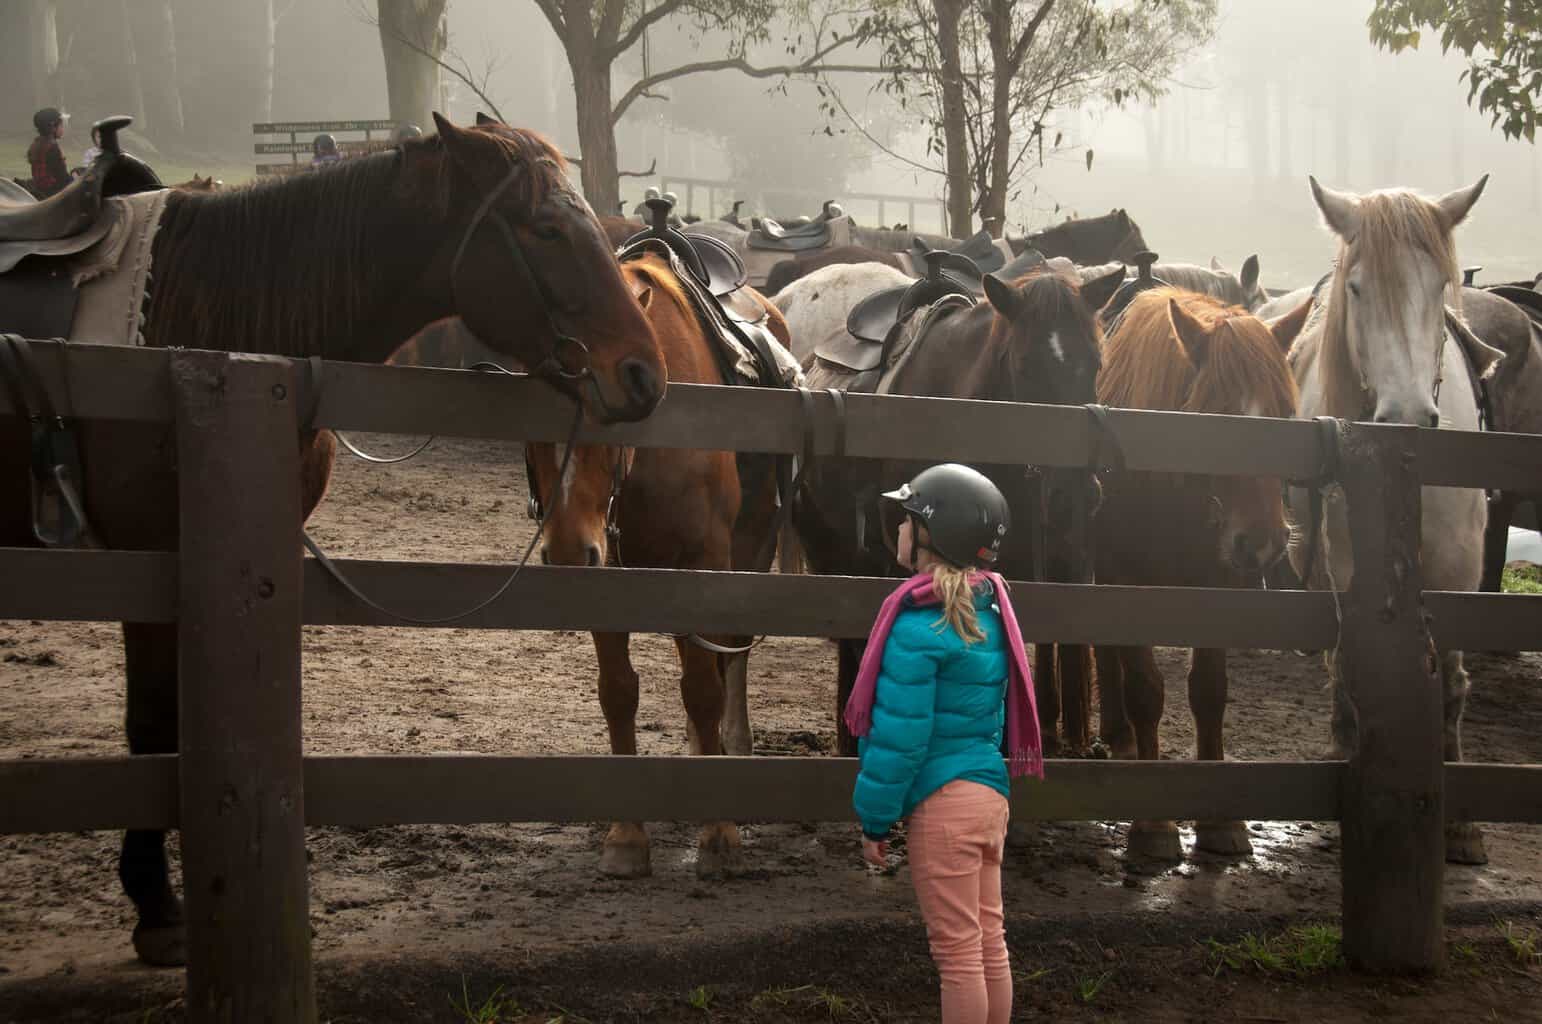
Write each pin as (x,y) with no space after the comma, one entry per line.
(1227,838)
(626,860)
(1464,844)
(161,946)
(1155,840)
(719,855)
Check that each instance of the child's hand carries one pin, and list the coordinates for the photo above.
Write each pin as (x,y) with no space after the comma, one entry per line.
(875,852)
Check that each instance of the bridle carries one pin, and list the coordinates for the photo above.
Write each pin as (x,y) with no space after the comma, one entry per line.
(552,367)
(536,512)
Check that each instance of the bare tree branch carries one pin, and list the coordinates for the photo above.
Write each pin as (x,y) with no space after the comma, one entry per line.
(642,24)
(463,72)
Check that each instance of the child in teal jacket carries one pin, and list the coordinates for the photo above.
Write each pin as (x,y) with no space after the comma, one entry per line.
(943,682)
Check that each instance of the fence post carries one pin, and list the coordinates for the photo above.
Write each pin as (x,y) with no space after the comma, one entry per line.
(1393,799)
(239,615)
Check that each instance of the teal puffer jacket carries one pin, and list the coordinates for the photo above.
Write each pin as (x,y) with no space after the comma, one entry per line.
(938,714)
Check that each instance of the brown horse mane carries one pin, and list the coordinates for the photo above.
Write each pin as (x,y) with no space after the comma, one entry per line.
(290,266)
(1145,364)
(1389,222)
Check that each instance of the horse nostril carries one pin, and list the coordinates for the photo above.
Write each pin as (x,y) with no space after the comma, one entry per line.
(640,382)
(594,555)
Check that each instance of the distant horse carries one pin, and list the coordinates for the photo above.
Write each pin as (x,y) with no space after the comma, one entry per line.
(1239,289)
(669,509)
(1379,349)
(344,263)
(1184,352)
(1113,236)
(790,270)
(197,184)
(1035,339)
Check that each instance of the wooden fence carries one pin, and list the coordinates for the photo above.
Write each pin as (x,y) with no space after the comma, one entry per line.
(241,792)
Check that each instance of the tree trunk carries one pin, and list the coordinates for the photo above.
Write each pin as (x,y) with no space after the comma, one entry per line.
(29,56)
(601,173)
(954,118)
(132,90)
(408,27)
(1282,98)
(155,45)
(993,205)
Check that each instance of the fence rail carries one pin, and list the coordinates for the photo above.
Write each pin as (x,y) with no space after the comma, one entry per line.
(241,792)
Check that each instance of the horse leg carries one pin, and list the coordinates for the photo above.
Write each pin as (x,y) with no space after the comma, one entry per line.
(150,663)
(1076,695)
(1114,721)
(625,853)
(1046,692)
(738,737)
(701,687)
(1144,692)
(1496,539)
(848,661)
(1207,701)
(1464,840)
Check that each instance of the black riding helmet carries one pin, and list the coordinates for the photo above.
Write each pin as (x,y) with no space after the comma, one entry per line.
(964,513)
(323,144)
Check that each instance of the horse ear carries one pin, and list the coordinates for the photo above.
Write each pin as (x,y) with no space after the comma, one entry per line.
(1191,333)
(1003,297)
(1099,290)
(1340,210)
(645,296)
(485,119)
(1288,326)
(1215,264)
(1249,275)
(1454,206)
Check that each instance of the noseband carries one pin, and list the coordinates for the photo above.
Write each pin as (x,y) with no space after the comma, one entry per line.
(552,368)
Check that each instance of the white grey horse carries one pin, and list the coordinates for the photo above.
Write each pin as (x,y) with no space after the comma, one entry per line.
(1377,348)
(816,305)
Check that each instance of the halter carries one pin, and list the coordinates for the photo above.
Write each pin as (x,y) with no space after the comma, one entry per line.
(552,368)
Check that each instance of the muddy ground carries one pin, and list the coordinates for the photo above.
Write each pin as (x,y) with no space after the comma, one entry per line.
(404,916)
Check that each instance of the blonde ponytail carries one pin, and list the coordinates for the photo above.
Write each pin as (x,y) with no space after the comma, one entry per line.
(955,590)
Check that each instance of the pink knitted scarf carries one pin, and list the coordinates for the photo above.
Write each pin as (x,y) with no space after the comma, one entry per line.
(1024,750)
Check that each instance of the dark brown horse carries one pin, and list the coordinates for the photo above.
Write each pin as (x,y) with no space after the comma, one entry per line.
(1035,339)
(1184,352)
(1112,237)
(345,263)
(790,270)
(670,509)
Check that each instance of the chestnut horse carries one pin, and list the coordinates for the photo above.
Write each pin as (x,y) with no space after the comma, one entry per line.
(345,263)
(1186,352)
(1034,339)
(673,509)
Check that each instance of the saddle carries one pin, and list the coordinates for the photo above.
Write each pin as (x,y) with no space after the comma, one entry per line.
(814,235)
(871,324)
(1142,281)
(981,249)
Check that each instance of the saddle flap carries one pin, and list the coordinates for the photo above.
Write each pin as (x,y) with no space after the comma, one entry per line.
(980,249)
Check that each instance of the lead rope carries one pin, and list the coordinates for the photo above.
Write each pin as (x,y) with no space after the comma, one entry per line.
(333,571)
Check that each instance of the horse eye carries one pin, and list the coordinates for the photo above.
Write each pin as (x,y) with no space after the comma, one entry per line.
(547,233)
(1354,289)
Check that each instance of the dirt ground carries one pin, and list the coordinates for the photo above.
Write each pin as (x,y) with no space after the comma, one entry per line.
(405,917)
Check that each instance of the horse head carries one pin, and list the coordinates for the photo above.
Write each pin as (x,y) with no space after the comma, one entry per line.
(1385,330)
(1250,294)
(1186,352)
(531,270)
(573,494)
(1046,331)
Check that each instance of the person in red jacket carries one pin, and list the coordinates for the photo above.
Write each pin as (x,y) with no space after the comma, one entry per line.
(50,173)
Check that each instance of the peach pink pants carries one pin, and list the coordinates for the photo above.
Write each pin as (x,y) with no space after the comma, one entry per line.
(955,840)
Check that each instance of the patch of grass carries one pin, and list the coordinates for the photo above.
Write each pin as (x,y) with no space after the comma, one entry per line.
(1521,579)
(1525,944)
(700,998)
(1465,952)
(1087,988)
(1297,952)
(814,999)
(495,1009)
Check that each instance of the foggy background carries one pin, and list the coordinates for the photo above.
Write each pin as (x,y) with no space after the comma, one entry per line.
(1217,167)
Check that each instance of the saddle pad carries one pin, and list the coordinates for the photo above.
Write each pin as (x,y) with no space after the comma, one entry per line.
(112,275)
